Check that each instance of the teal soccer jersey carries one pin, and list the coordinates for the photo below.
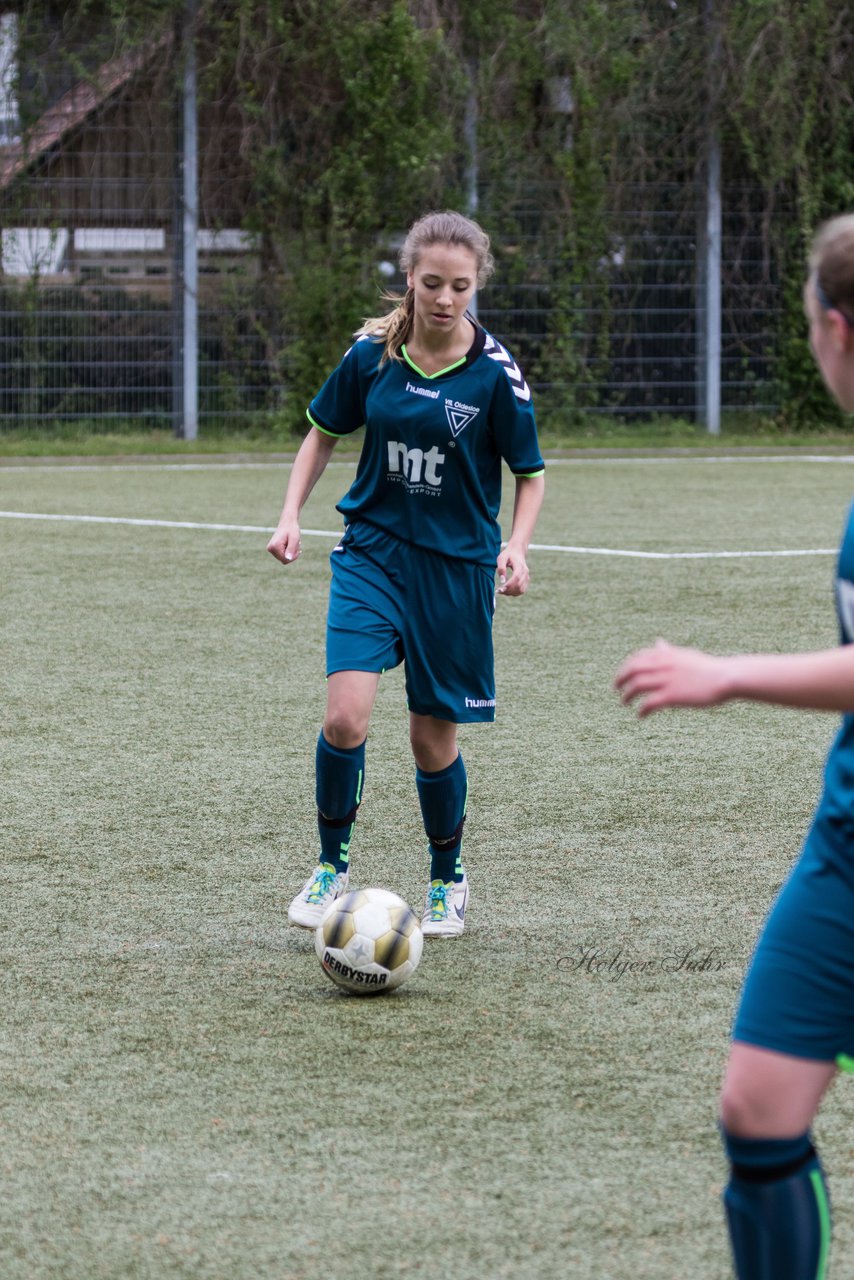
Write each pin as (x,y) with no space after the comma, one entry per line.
(799,992)
(430,468)
(836,809)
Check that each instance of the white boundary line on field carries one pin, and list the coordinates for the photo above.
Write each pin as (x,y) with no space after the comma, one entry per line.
(213,465)
(158,466)
(333,533)
(717,458)
(161,524)
(684,555)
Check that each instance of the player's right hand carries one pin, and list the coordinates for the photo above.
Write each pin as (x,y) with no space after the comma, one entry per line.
(669,675)
(285,543)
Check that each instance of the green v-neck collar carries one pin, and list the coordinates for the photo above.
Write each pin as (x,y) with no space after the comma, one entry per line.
(469,358)
(430,376)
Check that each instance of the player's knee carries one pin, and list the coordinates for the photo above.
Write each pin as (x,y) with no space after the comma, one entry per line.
(743,1109)
(417,732)
(344,728)
(432,751)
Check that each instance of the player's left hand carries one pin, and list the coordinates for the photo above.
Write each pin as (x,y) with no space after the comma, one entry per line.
(514,575)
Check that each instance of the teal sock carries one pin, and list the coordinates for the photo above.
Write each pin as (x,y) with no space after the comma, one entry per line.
(340,774)
(443,797)
(777,1208)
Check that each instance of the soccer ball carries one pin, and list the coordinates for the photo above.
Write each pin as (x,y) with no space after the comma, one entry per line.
(369,941)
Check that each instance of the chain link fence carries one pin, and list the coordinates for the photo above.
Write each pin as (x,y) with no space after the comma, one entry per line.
(89,300)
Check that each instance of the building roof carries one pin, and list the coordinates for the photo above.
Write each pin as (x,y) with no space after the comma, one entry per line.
(74,107)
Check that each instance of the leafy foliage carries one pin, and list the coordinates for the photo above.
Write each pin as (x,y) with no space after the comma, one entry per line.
(349,117)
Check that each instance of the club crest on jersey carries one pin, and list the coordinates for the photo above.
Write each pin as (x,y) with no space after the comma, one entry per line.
(459,415)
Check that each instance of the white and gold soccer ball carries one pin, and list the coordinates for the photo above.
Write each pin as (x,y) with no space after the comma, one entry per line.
(369,941)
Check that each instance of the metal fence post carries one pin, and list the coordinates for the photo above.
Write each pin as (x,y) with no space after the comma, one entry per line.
(185,291)
(712,290)
(709,265)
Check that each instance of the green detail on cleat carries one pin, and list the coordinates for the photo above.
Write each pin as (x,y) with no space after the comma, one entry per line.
(438,896)
(322,884)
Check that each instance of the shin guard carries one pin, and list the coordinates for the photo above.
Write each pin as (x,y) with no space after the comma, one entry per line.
(777,1208)
(340,774)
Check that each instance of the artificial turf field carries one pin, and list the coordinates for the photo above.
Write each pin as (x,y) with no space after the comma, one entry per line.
(184,1093)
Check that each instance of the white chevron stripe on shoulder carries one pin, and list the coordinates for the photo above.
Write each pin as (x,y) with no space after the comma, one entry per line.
(496,352)
(362,338)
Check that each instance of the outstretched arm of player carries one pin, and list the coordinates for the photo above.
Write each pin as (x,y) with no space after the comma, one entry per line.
(670,676)
(309,465)
(512,564)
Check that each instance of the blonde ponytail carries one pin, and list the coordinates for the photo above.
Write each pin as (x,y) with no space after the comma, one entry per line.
(394,327)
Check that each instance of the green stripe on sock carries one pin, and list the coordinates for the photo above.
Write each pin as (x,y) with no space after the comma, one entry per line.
(824,1222)
(344,848)
(844,1063)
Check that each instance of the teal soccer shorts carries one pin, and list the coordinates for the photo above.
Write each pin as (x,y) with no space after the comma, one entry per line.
(392,602)
(798,995)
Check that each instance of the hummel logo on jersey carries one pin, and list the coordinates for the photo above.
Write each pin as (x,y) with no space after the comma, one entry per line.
(418,470)
(422,391)
(496,352)
(460,415)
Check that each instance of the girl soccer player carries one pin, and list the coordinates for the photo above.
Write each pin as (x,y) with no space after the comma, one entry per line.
(413,577)
(794,1028)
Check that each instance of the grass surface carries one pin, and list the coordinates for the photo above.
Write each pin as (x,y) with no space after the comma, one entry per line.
(70,440)
(184,1092)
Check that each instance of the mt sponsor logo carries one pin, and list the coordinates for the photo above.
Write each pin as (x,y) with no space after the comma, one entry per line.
(459,415)
(418,470)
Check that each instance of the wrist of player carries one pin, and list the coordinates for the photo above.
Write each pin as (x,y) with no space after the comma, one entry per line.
(728,679)
(516,548)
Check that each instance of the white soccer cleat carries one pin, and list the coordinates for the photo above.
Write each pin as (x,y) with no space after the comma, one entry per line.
(444,914)
(323,886)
